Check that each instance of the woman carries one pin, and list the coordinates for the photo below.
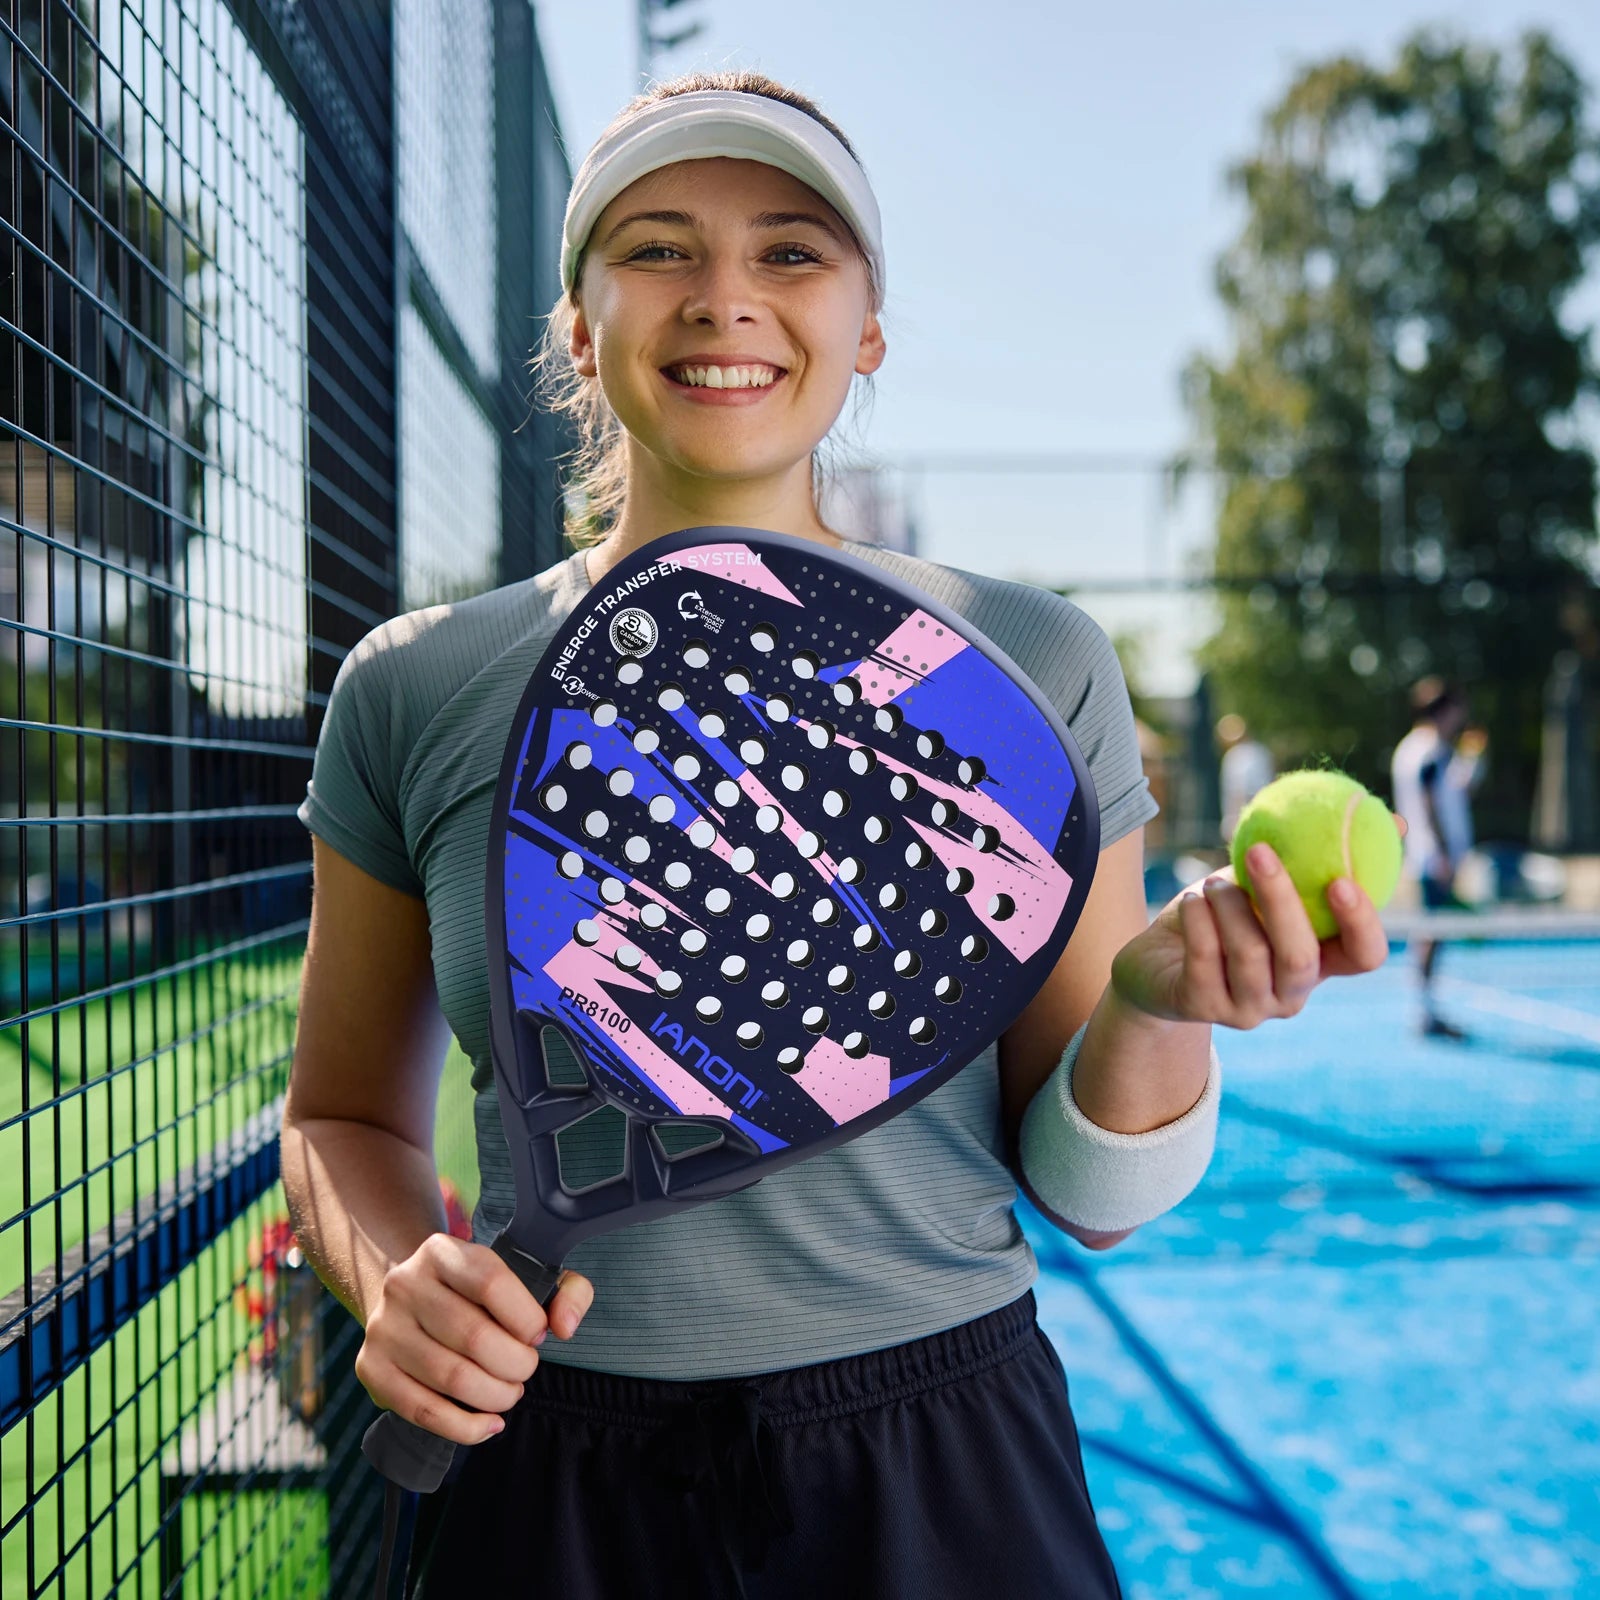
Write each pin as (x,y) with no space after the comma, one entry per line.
(841,1363)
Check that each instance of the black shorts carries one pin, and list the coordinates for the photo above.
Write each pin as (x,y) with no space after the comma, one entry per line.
(946,1468)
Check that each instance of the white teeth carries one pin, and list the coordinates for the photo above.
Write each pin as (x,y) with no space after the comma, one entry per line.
(725,377)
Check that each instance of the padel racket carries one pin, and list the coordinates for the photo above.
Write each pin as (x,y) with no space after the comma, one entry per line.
(780,844)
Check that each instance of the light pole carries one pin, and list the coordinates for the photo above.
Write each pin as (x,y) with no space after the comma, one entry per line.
(650,42)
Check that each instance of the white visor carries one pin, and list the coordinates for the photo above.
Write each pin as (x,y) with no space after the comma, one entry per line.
(720,122)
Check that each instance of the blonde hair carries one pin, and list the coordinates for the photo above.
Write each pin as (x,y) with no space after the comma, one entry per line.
(594,473)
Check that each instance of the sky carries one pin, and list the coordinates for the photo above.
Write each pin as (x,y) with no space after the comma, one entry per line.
(1052,180)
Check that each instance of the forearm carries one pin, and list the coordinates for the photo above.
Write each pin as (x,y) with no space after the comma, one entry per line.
(1136,1072)
(361,1199)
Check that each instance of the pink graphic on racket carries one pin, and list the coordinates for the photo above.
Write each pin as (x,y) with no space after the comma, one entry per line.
(780,844)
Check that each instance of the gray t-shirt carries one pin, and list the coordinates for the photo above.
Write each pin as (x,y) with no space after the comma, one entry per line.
(901,1233)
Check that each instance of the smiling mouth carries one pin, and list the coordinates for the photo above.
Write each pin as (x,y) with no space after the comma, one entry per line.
(767,378)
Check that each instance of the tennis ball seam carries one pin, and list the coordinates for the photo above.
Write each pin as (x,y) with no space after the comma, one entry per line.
(1349,822)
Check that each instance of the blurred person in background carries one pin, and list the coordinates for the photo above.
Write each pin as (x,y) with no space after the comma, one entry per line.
(1247,766)
(1434,770)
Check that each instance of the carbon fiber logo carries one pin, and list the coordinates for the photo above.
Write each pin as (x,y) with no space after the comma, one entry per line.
(634,632)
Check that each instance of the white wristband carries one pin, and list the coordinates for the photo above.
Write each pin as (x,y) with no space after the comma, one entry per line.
(1104,1181)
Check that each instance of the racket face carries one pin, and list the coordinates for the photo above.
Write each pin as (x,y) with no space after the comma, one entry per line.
(784,844)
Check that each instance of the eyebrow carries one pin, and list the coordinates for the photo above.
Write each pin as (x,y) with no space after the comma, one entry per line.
(762,219)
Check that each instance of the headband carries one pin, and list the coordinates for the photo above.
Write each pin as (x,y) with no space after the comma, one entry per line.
(720,122)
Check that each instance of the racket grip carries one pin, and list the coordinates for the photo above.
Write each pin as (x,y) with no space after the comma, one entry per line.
(409,1455)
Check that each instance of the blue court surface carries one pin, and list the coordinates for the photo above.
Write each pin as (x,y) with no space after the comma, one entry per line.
(1363,1358)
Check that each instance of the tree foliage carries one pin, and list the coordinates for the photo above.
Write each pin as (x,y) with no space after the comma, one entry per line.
(1403,484)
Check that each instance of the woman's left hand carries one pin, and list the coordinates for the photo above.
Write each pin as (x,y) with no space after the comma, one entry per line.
(1210,956)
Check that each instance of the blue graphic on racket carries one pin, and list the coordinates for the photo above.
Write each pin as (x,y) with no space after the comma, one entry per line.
(780,844)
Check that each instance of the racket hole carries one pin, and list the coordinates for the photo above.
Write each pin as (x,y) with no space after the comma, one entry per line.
(764,639)
(677,875)
(794,776)
(933,922)
(735,969)
(903,786)
(718,901)
(604,713)
(785,886)
(822,733)
(652,915)
(799,953)
(663,808)
(769,819)
(918,854)
(637,850)
(708,1008)
(775,994)
(907,963)
(693,942)
(712,725)
(836,802)
(750,1034)
(780,708)
(809,845)
(863,760)
(670,697)
(866,937)
(687,767)
(959,880)
(975,947)
(571,864)
(923,1031)
(646,741)
(841,979)
(727,793)
(877,829)
(629,957)
(1002,907)
(825,912)
(851,870)
(743,859)
(595,824)
(696,655)
(986,837)
(736,681)
(619,781)
(847,691)
(930,744)
(888,719)
(856,1044)
(578,755)
(752,752)
(814,1019)
(758,927)
(668,983)
(701,834)
(891,897)
(881,1004)
(971,771)
(553,797)
(806,664)
(790,1060)
(629,672)
(612,891)
(947,989)
(587,933)
(944,813)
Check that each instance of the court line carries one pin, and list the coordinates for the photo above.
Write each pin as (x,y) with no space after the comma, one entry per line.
(1523,1008)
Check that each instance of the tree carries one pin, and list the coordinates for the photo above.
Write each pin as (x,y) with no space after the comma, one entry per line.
(1403,486)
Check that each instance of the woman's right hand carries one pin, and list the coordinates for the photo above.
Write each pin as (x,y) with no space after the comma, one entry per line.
(451,1341)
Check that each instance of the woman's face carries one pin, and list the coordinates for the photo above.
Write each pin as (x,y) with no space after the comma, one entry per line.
(753,267)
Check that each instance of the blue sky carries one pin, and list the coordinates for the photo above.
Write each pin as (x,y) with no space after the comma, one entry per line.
(1051,178)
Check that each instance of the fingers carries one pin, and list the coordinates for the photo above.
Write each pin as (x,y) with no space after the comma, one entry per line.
(1296,952)
(574,1296)
(1363,942)
(396,1391)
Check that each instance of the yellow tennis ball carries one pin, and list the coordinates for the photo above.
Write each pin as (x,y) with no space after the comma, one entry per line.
(1323,825)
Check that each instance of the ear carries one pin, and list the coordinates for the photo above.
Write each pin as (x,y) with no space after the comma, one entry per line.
(871,350)
(580,346)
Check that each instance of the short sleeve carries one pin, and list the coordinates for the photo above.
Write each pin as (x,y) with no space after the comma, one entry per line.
(352,798)
(1076,668)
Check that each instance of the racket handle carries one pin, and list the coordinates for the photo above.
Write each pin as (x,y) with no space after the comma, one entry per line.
(412,1456)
